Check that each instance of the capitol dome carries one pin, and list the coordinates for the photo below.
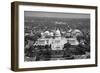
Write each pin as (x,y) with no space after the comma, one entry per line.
(58,32)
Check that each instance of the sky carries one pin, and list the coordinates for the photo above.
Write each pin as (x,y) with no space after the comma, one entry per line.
(55,14)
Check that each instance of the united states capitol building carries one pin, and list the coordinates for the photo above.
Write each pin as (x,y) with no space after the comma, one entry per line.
(57,40)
